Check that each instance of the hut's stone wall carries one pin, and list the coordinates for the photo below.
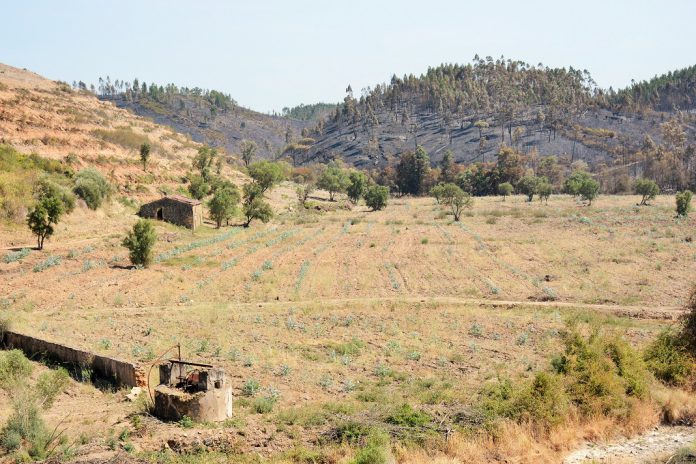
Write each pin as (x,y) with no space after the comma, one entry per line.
(178,210)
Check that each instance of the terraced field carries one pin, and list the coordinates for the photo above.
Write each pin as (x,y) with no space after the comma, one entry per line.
(346,314)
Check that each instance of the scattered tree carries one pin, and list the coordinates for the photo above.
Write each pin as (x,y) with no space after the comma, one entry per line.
(456,198)
(198,187)
(505,189)
(481,125)
(303,191)
(412,170)
(145,154)
(254,206)
(447,168)
(437,191)
(357,185)
(223,205)
(140,242)
(683,203)
(647,188)
(43,217)
(266,174)
(334,180)
(589,190)
(544,190)
(248,149)
(528,185)
(376,197)
(204,161)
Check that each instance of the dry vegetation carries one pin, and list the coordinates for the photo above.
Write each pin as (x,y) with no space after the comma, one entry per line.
(343,317)
(50,119)
(350,335)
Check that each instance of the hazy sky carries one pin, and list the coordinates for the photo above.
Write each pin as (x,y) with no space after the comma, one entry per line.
(271,54)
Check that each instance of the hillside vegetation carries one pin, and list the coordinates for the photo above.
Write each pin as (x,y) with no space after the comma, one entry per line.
(208,116)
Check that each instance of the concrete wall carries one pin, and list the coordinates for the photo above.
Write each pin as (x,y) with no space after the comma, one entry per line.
(122,373)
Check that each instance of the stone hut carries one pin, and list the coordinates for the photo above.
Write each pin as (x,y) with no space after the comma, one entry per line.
(176,209)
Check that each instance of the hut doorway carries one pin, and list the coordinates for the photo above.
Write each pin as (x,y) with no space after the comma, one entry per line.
(159,214)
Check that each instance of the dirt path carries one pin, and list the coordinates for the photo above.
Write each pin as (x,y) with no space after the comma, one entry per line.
(638,312)
(662,441)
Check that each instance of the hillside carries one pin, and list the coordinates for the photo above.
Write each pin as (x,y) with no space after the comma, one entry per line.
(471,109)
(209,116)
(468,109)
(52,120)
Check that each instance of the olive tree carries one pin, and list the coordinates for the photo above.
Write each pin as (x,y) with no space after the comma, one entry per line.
(223,205)
(266,174)
(456,198)
(43,217)
(357,184)
(254,206)
(376,197)
(334,180)
(648,189)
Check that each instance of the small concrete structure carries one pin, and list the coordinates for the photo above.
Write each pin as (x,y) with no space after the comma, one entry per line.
(198,391)
(176,209)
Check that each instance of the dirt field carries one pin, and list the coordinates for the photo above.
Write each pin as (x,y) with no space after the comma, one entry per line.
(347,313)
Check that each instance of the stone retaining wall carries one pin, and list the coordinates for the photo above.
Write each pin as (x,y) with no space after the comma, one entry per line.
(122,373)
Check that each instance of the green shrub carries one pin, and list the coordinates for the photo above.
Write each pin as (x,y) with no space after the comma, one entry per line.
(186,422)
(251,387)
(598,375)
(140,242)
(683,202)
(25,426)
(668,359)
(92,187)
(406,416)
(264,405)
(18,255)
(15,368)
(601,372)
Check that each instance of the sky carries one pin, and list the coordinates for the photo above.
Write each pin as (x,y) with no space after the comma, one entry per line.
(271,54)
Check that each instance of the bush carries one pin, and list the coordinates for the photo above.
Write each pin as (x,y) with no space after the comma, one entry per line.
(543,400)
(668,359)
(406,416)
(647,188)
(140,242)
(92,187)
(597,375)
(376,197)
(18,255)
(683,202)
(264,405)
(25,426)
(15,368)
(251,387)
